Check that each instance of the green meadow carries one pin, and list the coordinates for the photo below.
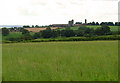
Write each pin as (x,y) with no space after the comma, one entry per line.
(60,61)
(13,35)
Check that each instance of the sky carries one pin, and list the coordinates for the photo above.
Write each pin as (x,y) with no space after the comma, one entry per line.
(45,12)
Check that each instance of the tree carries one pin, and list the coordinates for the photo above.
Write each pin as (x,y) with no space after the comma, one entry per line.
(117,23)
(48,29)
(99,31)
(37,35)
(54,34)
(26,36)
(5,31)
(67,32)
(80,32)
(46,34)
(32,26)
(24,31)
(89,31)
(110,23)
(26,26)
(36,26)
(93,23)
(20,29)
(82,27)
(102,23)
(78,23)
(105,29)
(97,23)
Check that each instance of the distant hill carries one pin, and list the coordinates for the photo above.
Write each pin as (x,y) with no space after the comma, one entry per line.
(9,26)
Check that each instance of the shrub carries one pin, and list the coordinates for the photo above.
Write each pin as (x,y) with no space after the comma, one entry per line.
(26,37)
(5,31)
(37,35)
(24,31)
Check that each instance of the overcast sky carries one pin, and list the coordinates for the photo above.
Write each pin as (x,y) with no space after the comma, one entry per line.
(45,12)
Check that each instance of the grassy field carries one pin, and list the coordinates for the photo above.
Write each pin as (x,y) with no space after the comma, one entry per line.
(61,61)
(113,28)
(13,35)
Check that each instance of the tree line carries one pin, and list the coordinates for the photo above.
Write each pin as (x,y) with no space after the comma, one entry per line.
(102,23)
(82,31)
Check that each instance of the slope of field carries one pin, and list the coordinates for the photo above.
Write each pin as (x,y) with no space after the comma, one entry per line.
(61,61)
(13,35)
(40,29)
(113,28)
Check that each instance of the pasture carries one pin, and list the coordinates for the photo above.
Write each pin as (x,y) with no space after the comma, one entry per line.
(13,35)
(60,61)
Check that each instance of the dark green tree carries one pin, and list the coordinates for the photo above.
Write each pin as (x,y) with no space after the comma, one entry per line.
(97,23)
(105,29)
(36,26)
(26,36)
(37,35)
(26,26)
(24,31)
(5,31)
(54,34)
(48,29)
(80,32)
(93,23)
(99,31)
(32,26)
(67,32)
(82,27)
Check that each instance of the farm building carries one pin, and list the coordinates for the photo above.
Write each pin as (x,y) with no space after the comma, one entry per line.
(59,25)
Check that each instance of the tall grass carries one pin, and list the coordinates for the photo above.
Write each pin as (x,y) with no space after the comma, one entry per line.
(61,61)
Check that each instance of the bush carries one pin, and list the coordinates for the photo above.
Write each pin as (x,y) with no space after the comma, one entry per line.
(24,31)
(26,37)
(37,35)
(67,33)
(5,31)
(14,39)
(54,34)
